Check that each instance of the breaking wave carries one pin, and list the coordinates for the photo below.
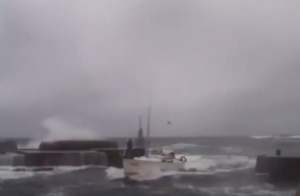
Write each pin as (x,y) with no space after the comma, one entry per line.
(8,173)
(262,136)
(237,191)
(276,137)
(61,130)
(218,163)
(185,145)
(293,137)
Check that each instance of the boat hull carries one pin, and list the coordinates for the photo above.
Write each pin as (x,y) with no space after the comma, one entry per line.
(135,167)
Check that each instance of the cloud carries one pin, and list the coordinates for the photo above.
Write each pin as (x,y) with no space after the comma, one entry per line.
(214,67)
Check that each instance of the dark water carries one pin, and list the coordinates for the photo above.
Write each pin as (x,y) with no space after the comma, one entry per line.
(216,166)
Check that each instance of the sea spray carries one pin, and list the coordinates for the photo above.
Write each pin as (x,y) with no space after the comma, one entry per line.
(59,129)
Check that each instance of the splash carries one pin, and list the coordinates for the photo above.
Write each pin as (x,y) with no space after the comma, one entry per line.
(113,173)
(204,164)
(152,173)
(61,130)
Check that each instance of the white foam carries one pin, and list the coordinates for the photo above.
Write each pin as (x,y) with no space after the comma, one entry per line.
(7,173)
(242,191)
(151,173)
(261,136)
(276,137)
(217,163)
(237,191)
(182,146)
(294,137)
(185,145)
(113,173)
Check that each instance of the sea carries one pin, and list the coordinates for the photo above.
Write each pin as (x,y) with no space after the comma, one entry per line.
(216,166)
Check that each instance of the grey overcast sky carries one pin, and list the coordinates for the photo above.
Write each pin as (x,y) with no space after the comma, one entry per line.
(215,67)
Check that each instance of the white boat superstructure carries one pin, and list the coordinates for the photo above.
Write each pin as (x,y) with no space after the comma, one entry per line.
(138,166)
(154,162)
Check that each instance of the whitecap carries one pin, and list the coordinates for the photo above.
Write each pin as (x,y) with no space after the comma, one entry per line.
(262,136)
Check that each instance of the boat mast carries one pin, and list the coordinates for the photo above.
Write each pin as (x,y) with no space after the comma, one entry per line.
(148,132)
(148,129)
(140,122)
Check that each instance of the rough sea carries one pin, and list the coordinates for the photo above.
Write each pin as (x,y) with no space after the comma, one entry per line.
(216,166)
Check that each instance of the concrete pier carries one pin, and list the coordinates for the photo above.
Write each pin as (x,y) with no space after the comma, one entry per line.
(18,160)
(56,158)
(279,167)
(8,146)
(66,153)
(110,148)
(74,152)
(78,145)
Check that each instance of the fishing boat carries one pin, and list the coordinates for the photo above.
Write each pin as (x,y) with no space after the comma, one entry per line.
(140,166)
(158,162)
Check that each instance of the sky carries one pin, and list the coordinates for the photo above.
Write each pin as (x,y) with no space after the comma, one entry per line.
(210,67)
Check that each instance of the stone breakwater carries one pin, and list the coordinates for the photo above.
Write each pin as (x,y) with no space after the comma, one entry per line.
(65,153)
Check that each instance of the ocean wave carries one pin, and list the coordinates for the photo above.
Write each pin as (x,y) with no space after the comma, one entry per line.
(236,191)
(186,145)
(230,149)
(295,137)
(262,136)
(183,147)
(292,137)
(9,173)
(208,164)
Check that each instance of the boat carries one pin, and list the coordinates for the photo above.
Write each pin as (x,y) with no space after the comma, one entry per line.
(150,162)
(139,166)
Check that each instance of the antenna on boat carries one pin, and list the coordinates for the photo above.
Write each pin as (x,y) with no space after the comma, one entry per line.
(140,122)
